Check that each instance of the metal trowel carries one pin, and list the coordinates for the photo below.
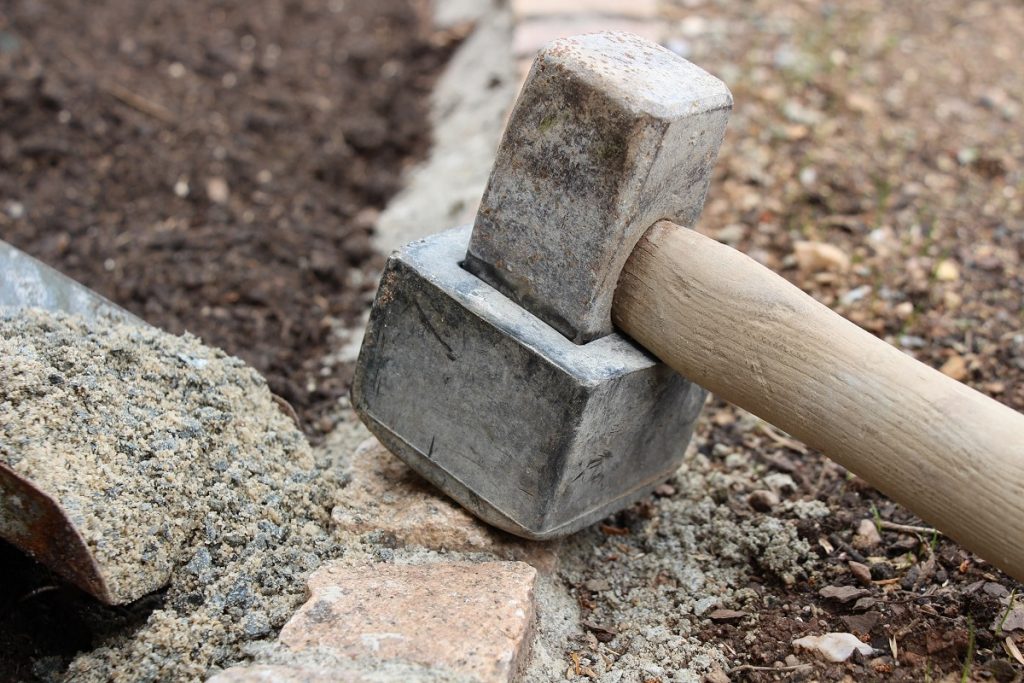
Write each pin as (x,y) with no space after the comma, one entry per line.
(30,518)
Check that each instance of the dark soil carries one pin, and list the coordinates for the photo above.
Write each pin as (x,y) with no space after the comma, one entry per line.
(923,591)
(891,131)
(216,166)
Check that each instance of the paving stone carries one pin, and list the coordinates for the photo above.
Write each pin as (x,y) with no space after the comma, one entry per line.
(386,496)
(277,673)
(306,669)
(533,34)
(643,9)
(472,619)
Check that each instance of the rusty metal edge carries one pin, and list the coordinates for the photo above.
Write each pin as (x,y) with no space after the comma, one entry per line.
(48,534)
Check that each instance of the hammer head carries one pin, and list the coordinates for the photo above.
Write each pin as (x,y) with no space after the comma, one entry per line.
(489,364)
(610,134)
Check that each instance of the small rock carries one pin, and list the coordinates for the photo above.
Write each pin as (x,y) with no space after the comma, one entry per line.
(217,190)
(861,623)
(256,624)
(704,604)
(864,604)
(780,482)
(996,590)
(603,635)
(15,210)
(855,294)
(834,647)
(867,536)
(716,676)
(181,188)
(597,585)
(881,571)
(882,665)
(1014,619)
(763,501)
(955,367)
(947,271)
(843,594)
(860,571)
(817,257)
(664,490)
(731,234)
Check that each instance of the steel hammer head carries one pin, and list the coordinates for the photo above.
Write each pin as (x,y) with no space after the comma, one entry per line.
(489,363)
(610,134)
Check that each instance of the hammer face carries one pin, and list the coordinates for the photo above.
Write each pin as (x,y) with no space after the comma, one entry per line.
(530,432)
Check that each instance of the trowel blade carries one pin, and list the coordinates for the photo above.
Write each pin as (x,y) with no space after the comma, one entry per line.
(30,518)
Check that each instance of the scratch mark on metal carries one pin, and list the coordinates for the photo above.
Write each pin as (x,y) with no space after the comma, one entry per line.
(426,322)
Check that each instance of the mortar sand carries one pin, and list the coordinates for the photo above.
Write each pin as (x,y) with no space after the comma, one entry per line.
(177,467)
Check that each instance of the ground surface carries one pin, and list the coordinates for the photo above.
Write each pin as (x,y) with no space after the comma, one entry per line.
(891,131)
(216,168)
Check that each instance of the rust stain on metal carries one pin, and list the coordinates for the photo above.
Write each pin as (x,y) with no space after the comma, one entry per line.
(33,521)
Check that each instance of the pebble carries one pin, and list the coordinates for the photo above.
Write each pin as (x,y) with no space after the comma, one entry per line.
(955,367)
(763,501)
(217,190)
(860,571)
(817,257)
(867,536)
(834,647)
(947,271)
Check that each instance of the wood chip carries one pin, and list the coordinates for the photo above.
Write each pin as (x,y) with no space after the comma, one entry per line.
(604,635)
(1012,649)
(722,614)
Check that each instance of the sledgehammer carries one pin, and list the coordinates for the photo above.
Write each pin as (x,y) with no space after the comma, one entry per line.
(491,364)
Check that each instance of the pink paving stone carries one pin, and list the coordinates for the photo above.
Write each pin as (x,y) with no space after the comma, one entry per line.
(474,619)
(386,496)
(642,9)
(533,34)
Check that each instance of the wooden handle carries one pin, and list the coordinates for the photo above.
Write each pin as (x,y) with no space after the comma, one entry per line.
(952,455)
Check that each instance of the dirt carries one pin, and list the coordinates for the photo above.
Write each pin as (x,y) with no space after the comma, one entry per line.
(217,168)
(891,132)
(178,468)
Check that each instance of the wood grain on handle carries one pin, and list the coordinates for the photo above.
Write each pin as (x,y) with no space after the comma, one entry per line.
(950,454)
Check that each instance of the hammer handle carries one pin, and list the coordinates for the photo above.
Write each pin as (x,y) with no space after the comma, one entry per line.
(953,456)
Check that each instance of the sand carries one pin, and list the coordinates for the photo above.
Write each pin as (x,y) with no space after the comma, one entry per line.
(178,468)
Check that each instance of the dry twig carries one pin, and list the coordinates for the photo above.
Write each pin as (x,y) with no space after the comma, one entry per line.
(906,528)
(140,103)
